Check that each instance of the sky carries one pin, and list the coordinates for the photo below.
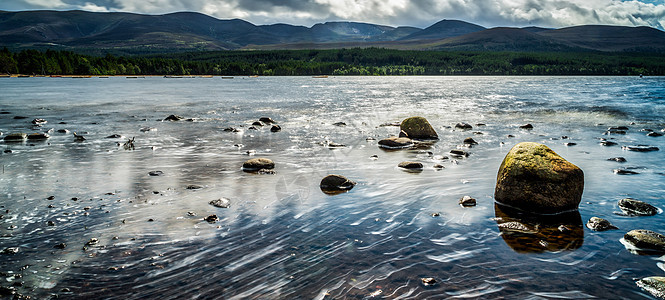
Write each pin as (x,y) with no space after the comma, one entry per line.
(418,13)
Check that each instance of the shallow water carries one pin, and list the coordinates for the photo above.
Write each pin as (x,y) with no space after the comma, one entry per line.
(282,237)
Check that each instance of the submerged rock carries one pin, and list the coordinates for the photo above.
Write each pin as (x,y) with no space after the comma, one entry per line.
(221,203)
(654,134)
(155,173)
(275,128)
(194,187)
(418,128)
(411,165)
(617,159)
(39,136)
(646,240)
(534,178)
(526,126)
(16,137)
(256,164)
(336,183)
(230,129)
(624,172)
(173,118)
(257,123)
(396,143)
(599,224)
(634,207)
(654,285)
(607,143)
(640,148)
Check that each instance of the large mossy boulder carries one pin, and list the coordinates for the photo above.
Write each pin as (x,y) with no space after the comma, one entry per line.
(418,128)
(534,178)
(654,285)
(646,240)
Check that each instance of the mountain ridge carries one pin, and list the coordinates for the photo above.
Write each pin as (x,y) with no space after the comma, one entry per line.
(123,32)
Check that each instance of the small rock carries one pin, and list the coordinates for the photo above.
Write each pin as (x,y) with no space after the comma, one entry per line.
(39,136)
(252,128)
(458,153)
(333,145)
(617,159)
(16,137)
(655,285)
(155,173)
(463,126)
(645,240)
(60,246)
(570,144)
(396,143)
(637,208)
(654,134)
(10,250)
(435,214)
(599,224)
(341,124)
(211,219)
(114,136)
(39,121)
(275,128)
(526,126)
(194,187)
(624,172)
(267,120)
(92,241)
(221,203)
(256,164)
(50,198)
(467,201)
(266,172)
(333,183)
(427,281)
(374,157)
(411,165)
(146,129)
(640,148)
(78,138)
(231,129)
(173,118)
(439,167)
(470,141)
(50,223)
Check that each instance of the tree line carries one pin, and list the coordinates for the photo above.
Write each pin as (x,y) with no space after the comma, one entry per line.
(356,61)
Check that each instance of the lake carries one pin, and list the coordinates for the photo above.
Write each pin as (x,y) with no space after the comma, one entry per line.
(282,237)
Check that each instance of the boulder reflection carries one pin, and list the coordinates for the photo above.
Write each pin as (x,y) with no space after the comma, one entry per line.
(532,233)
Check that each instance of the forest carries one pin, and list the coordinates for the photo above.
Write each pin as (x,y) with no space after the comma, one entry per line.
(356,61)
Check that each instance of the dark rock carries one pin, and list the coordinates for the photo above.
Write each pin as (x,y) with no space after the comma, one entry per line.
(615,128)
(624,172)
(230,129)
(275,128)
(267,120)
(634,207)
(114,136)
(257,123)
(526,126)
(211,219)
(458,153)
(39,136)
(50,198)
(60,246)
(92,242)
(173,118)
(599,224)
(617,159)
(8,151)
(20,117)
(534,178)
(146,129)
(50,223)
(335,145)
(396,143)
(194,187)
(654,134)
(418,128)
(374,157)
(252,128)
(646,240)
(339,124)
(336,183)
(463,126)
(10,250)
(570,144)
(640,148)
(15,137)
(155,173)
(439,167)
(62,131)
(411,165)
(39,121)
(221,203)
(256,164)
(470,141)
(467,201)
(78,138)
(655,285)
(428,281)
(607,143)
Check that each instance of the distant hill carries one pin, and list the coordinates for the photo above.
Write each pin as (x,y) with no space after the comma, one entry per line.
(128,33)
(444,29)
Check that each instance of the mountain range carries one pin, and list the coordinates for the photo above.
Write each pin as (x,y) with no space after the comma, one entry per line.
(188,31)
